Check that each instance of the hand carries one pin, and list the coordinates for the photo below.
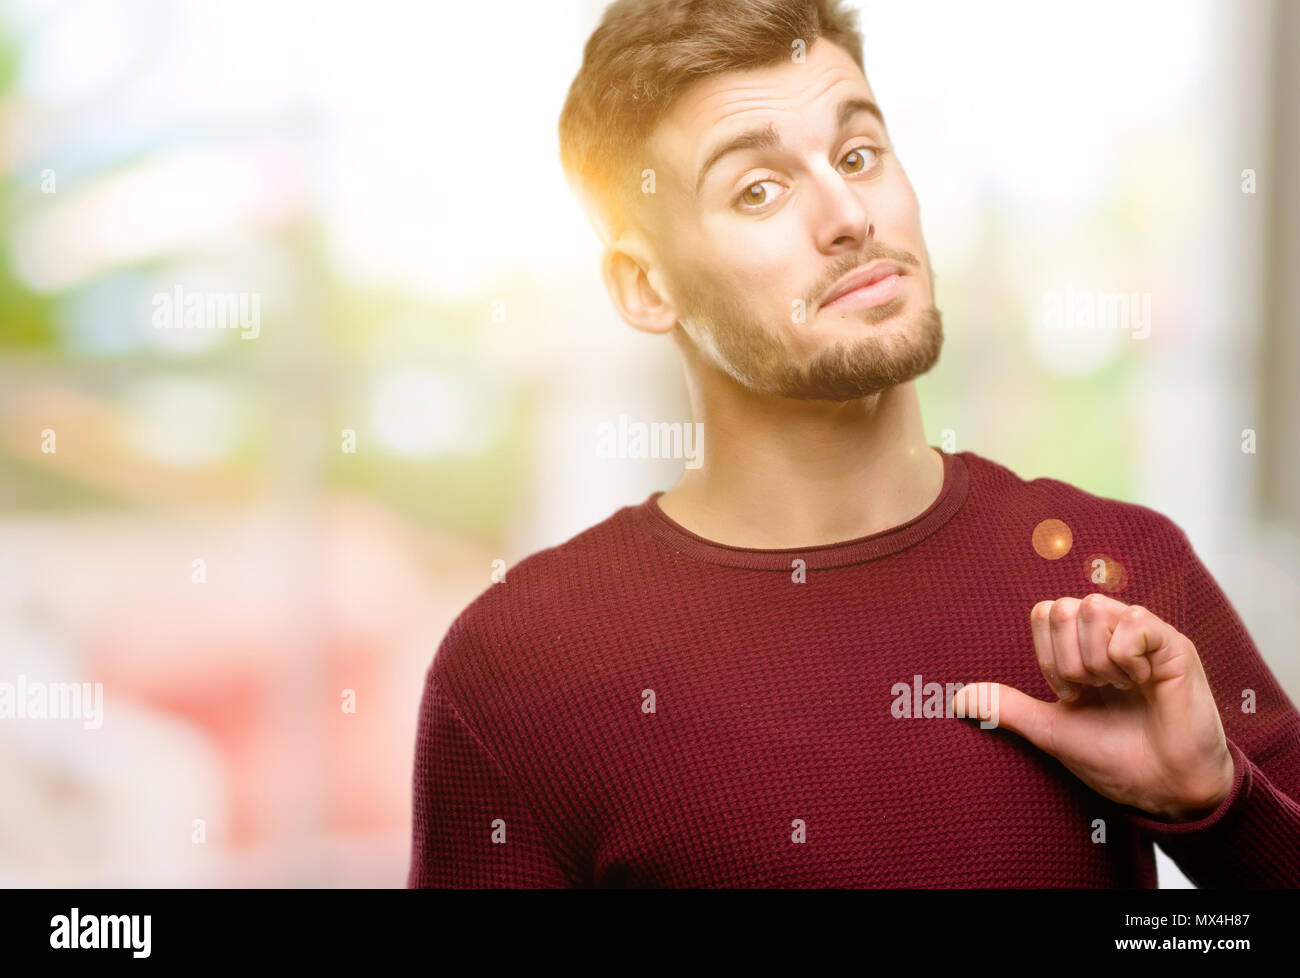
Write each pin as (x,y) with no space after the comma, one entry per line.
(1136,720)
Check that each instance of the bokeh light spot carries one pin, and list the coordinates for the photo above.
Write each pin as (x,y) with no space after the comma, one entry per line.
(1052,539)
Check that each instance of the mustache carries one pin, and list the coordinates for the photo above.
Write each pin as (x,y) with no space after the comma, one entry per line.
(875,253)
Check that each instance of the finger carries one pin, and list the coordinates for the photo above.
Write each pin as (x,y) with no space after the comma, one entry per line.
(1065,644)
(1097,618)
(1042,632)
(1132,642)
(1008,707)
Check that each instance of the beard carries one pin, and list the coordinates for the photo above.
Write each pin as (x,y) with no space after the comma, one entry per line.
(723,331)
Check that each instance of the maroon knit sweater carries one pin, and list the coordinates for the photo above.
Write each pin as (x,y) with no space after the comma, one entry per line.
(641,707)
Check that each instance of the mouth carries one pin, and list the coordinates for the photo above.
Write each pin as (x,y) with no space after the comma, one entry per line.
(869,286)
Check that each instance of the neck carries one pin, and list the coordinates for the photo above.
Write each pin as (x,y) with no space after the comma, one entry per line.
(785,473)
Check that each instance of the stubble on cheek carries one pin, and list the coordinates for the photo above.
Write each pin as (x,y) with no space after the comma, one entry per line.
(734,336)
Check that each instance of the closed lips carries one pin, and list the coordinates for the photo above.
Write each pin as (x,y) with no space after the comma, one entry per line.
(864,277)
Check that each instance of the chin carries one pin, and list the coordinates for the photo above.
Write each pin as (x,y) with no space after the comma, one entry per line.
(895,310)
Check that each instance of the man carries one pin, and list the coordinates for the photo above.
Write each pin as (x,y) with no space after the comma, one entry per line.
(755,678)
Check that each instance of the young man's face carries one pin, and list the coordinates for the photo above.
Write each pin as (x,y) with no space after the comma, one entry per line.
(749,259)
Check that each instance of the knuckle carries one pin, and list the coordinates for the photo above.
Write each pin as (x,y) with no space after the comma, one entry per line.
(1092,606)
(1062,613)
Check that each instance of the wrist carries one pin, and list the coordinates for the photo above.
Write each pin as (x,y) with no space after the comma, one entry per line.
(1200,804)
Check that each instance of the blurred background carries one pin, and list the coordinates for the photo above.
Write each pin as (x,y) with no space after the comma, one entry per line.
(255,537)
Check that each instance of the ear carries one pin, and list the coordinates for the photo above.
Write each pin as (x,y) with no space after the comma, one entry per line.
(635,288)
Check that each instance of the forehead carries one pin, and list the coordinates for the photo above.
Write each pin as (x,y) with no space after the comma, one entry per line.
(720,105)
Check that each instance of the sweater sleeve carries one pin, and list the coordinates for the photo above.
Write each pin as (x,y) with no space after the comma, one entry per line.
(470,829)
(1253,838)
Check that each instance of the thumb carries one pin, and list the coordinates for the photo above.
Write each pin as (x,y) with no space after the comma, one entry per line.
(996,705)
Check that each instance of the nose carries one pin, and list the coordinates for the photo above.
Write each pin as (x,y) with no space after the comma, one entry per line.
(842,219)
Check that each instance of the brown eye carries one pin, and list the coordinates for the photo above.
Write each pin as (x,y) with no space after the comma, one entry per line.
(859,155)
(754,195)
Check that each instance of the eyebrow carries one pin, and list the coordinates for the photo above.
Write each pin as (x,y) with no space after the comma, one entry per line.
(766,138)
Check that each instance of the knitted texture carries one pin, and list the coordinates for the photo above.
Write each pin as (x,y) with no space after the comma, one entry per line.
(641,707)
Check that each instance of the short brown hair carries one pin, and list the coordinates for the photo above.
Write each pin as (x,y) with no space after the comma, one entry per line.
(644,54)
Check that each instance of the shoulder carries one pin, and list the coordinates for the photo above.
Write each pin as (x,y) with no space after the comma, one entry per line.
(1023,505)
(522,626)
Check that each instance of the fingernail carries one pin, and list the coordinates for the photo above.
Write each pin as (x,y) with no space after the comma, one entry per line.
(1065,691)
